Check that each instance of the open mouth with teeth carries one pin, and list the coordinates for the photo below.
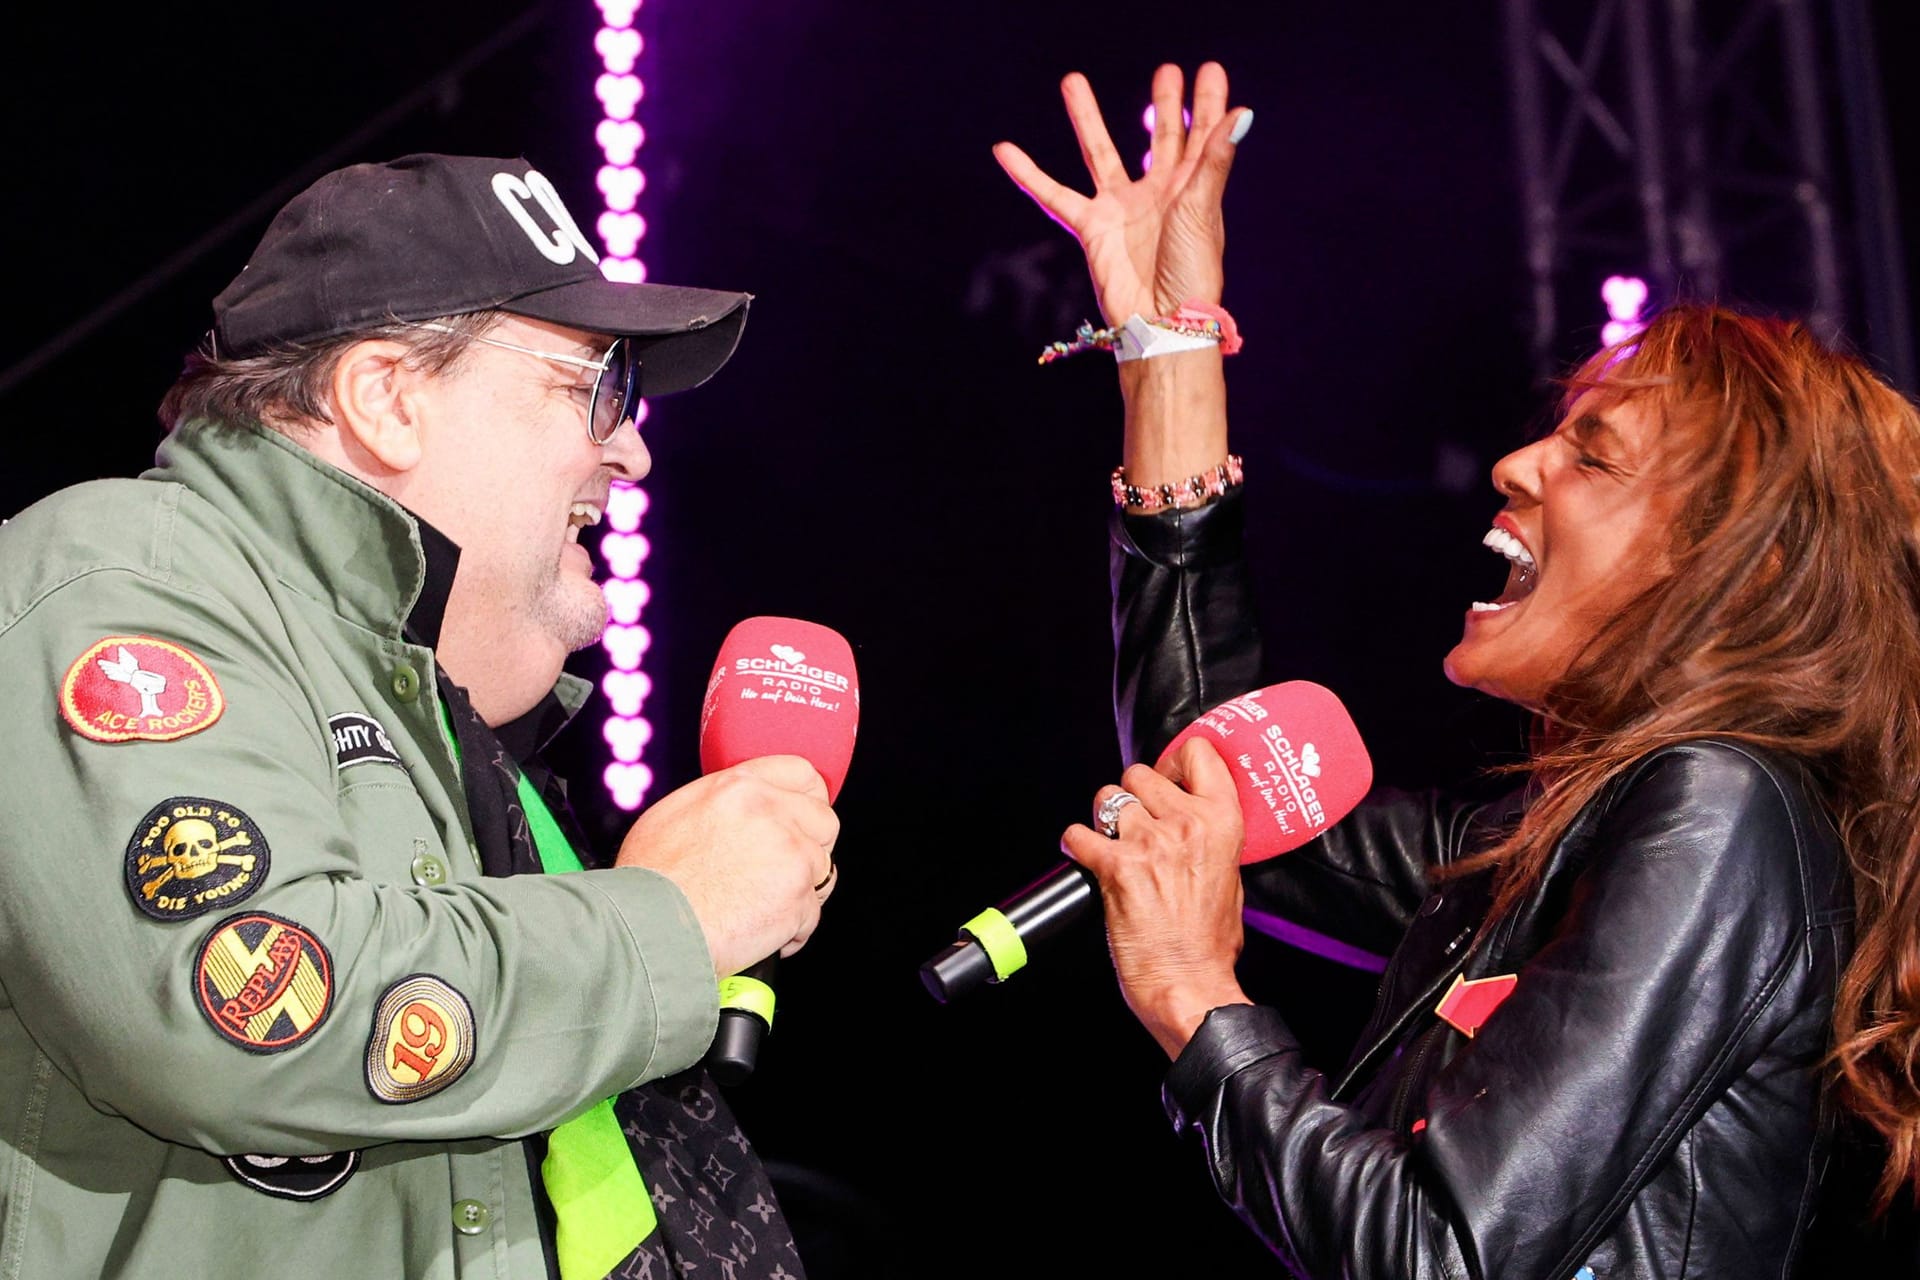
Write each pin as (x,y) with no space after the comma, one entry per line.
(1522,573)
(582,515)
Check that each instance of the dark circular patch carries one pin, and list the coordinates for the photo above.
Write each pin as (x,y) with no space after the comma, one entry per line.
(264,983)
(190,855)
(295,1177)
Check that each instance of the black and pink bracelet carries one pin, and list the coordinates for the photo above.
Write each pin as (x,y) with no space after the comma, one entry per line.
(1194,491)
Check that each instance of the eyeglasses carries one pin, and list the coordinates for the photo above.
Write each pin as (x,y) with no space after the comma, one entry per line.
(616,379)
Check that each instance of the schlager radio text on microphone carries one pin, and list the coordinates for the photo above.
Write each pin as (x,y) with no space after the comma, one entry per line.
(779,672)
(1286,784)
(1285,779)
(785,676)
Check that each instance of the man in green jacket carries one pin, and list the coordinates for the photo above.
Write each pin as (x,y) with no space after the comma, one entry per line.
(274,990)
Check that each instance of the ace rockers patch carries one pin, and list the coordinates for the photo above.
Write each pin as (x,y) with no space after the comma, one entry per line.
(264,983)
(190,855)
(134,688)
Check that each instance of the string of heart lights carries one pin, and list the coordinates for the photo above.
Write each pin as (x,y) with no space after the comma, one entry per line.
(623,548)
(1626,297)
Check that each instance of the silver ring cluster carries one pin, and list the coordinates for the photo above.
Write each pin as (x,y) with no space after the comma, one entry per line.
(1108,814)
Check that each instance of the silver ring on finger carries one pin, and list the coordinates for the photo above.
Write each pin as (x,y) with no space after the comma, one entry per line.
(1108,814)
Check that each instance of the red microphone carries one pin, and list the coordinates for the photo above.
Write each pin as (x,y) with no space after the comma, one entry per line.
(780,686)
(1299,767)
(1297,762)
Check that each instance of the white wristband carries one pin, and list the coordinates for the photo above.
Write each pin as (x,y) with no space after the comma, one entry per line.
(1140,339)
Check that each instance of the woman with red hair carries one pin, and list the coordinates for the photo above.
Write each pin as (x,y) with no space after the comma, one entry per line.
(1698,906)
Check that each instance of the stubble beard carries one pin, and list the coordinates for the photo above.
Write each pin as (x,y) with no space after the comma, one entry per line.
(569,608)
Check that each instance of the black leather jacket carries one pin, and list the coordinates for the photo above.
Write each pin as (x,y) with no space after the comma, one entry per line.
(1644,1103)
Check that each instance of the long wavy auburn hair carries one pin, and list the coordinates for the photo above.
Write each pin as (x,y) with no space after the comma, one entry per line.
(1790,619)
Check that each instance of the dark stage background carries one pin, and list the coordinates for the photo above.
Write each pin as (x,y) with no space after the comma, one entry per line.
(885,457)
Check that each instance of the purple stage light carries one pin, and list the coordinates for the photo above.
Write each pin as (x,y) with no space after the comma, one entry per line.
(621,186)
(1626,297)
(626,597)
(619,95)
(623,548)
(623,553)
(1147,118)
(1298,935)
(628,503)
(619,141)
(626,737)
(621,232)
(617,47)
(627,690)
(627,783)
(626,644)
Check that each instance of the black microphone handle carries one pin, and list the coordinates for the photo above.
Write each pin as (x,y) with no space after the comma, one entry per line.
(1036,913)
(735,1051)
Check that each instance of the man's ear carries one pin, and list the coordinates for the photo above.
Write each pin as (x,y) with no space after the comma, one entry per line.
(376,396)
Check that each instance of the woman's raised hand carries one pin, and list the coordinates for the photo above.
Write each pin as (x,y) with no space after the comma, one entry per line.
(1156,241)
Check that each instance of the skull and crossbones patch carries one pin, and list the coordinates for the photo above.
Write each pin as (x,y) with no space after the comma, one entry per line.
(137,688)
(190,855)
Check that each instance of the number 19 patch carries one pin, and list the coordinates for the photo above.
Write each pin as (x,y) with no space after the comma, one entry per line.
(422,1039)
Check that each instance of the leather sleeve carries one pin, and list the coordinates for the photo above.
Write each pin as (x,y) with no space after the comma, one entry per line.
(1186,639)
(1328,1194)
(1688,946)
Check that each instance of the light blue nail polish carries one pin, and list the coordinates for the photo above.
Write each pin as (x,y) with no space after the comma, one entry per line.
(1240,126)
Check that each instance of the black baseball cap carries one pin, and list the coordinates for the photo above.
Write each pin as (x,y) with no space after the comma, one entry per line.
(437,235)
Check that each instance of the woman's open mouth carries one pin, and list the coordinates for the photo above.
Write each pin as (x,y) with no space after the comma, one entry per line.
(1522,574)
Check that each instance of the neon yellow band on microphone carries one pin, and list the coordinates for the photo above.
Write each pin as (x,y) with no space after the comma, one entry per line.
(1000,940)
(751,994)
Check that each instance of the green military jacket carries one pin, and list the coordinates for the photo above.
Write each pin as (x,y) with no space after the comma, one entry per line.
(241,914)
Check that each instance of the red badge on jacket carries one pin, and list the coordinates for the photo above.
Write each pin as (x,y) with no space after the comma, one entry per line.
(127,688)
(264,983)
(1467,1005)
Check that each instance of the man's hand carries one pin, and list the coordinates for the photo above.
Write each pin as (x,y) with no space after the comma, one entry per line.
(748,846)
(1153,242)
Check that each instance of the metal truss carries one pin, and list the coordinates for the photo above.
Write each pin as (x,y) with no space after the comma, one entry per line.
(1725,149)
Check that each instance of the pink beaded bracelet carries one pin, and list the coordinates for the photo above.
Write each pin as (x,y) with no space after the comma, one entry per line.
(1194,491)
(1194,319)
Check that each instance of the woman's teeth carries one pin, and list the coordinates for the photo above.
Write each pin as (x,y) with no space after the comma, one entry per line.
(1508,545)
(1521,570)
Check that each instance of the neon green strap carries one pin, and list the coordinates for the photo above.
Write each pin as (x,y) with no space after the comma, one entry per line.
(556,854)
(1000,940)
(600,1204)
(549,842)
